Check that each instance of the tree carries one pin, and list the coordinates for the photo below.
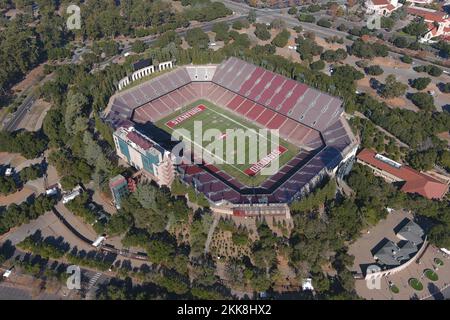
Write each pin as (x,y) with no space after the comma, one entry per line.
(74,119)
(7,185)
(406,59)
(393,88)
(240,24)
(197,38)
(420,83)
(261,31)
(308,48)
(281,39)
(387,23)
(251,16)
(221,31)
(303,17)
(278,24)
(445,87)
(416,28)
(423,100)
(160,252)
(119,224)
(31,173)
(334,56)
(292,11)
(317,65)
(28,144)
(366,50)
(324,23)
(374,70)
(401,42)
(138,46)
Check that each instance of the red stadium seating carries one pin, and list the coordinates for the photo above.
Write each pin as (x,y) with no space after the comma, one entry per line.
(276,122)
(265,117)
(236,102)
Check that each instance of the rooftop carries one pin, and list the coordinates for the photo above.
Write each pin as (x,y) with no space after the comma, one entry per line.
(415,181)
(428,14)
(410,231)
(139,140)
(117,181)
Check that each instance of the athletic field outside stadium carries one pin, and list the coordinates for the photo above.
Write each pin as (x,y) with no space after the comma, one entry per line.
(247,171)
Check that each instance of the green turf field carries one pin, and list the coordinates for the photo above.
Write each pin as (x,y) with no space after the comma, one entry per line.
(221,120)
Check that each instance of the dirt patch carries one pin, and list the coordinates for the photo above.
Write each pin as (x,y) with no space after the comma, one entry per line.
(389,62)
(13,159)
(13,13)
(16,198)
(328,46)
(34,118)
(176,5)
(399,102)
(445,136)
(31,78)
(289,54)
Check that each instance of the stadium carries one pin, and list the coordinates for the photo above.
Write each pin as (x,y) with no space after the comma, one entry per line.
(314,138)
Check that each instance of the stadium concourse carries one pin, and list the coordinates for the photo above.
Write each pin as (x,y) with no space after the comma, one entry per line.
(305,117)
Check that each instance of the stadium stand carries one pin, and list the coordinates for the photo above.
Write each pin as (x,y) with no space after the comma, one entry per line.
(303,115)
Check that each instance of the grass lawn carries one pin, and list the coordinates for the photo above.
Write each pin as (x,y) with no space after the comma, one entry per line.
(438,262)
(415,284)
(430,274)
(394,289)
(214,146)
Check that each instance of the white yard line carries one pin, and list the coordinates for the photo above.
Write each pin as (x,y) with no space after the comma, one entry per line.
(269,142)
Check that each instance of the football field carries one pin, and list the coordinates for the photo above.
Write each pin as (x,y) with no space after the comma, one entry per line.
(229,142)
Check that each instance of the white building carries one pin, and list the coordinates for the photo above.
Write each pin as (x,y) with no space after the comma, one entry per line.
(438,23)
(382,7)
(421,1)
(144,154)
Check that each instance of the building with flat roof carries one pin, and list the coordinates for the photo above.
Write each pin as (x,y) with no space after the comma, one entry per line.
(119,189)
(392,171)
(144,154)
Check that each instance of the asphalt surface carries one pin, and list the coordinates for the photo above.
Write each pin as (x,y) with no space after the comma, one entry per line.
(22,110)
(268,15)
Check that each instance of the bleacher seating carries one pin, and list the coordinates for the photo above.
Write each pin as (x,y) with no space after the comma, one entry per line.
(288,97)
(304,116)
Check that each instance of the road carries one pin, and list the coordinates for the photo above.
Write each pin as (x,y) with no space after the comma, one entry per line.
(267,15)
(90,280)
(20,113)
(206,26)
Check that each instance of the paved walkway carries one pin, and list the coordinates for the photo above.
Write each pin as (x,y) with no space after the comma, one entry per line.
(361,249)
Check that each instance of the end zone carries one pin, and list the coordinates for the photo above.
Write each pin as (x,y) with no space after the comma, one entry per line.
(258,166)
(185,116)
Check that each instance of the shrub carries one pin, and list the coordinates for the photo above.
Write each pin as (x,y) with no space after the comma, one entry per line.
(261,31)
(406,59)
(423,100)
(324,23)
(306,18)
(281,39)
(317,65)
(374,70)
(420,83)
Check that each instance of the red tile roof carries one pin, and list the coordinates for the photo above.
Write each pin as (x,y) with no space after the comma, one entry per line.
(428,15)
(139,140)
(390,7)
(381,2)
(415,182)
